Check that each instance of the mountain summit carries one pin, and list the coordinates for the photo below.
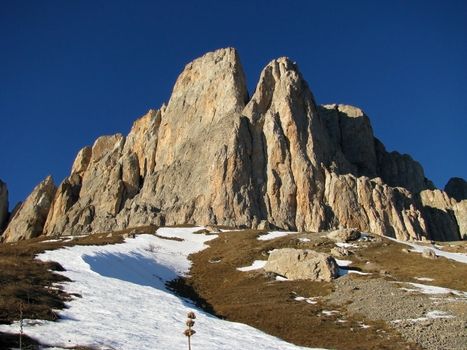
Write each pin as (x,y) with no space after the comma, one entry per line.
(214,155)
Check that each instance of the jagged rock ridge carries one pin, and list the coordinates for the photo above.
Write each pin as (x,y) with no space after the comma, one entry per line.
(28,220)
(215,156)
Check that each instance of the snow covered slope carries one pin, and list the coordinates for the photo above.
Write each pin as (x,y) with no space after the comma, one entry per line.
(125,304)
(462,258)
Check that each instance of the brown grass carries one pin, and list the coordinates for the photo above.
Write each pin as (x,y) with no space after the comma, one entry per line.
(26,280)
(254,298)
(402,266)
(257,299)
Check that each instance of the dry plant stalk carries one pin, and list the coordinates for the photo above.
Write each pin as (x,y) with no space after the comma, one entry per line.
(189,332)
(21,325)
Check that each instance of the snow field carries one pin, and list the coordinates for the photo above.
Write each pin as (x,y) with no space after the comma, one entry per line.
(124,303)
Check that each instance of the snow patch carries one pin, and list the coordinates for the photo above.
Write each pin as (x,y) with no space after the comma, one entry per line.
(329,312)
(359,272)
(418,248)
(343,262)
(257,264)
(426,279)
(281,278)
(274,234)
(125,303)
(311,300)
(427,289)
(430,315)
(346,245)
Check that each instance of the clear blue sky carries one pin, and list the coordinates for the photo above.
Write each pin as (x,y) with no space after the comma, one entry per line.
(71,71)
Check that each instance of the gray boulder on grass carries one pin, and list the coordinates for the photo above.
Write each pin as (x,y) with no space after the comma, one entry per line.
(344,235)
(296,264)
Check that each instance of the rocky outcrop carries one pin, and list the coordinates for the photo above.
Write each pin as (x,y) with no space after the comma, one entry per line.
(215,156)
(344,235)
(298,264)
(368,205)
(301,154)
(3,205)
(401,170)
(142,141)
(446,218)
(28,221)
(66,195)
(351,133)
(456,188)
(364,155)
(288,145)
(81,161)
(202,159)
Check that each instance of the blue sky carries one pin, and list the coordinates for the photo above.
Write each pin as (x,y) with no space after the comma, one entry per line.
(71,71)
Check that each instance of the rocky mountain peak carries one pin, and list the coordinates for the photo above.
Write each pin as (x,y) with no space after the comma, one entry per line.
(216,76)
(213,156)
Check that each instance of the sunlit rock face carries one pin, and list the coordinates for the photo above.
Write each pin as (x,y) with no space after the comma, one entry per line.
(28,220)
(215,155)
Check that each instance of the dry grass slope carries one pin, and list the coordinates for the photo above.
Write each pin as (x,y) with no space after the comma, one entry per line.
(255,298)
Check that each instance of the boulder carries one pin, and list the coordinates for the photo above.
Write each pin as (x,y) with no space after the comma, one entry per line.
(28,221)
(344,235)
(340,252)
(298,264)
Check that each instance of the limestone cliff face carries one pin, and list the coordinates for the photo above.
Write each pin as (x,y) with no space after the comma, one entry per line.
(103,178)
(301,153)
(215,156)
(28,220)
(351,133)
(202,163)
(372,206)
(446,217)
(288,147)
(3,205)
